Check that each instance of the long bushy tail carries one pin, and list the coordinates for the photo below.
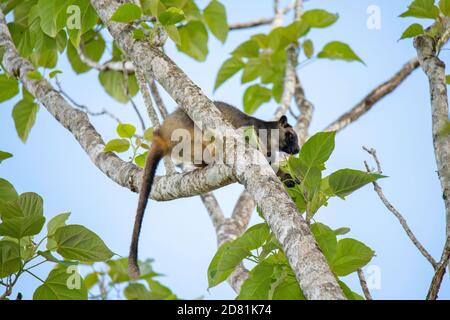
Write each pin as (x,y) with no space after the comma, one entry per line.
(153,158)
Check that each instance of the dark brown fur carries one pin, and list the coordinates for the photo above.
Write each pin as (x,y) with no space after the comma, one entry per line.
(162,145)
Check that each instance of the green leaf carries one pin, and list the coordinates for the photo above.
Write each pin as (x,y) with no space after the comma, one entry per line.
(255,96)
(308,48)
(288,289)
(76,242)
(412,31)
(160,291)
(141,159)
(50,257)
(247,49)
(22,226)
(91,280)
(62,284)
(194,40)
(117,145)
(23,216)
(341,231)
(444,5)
(311,182)
(9,87)
(61,41)
(53,225)
(31,204)
(138,291)
(171,16)
(54,73)
(114,84)
(24,115)
(447,79)
(252,70)
(148,134)
(126,13)
(339,51)
(7,191)
(118,270)
(10,260)
(258,283)
(254,237)
(227,257)
(5,155)
(319,18)
(343,182)
(88,19)
(422,9)
(350,256)
(349,294)
(93,48)
(229,68)
(45,53)
(317,149)
(53,15)
(35,75)
(174,34)
(326,239)
(126,130)
(216,18)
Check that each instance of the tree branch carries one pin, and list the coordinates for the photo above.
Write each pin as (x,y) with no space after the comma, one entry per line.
(365,288)
(373,97)
(123,173)
(259,22)
(305,258)
(306,112)
(396,213)
(427,52)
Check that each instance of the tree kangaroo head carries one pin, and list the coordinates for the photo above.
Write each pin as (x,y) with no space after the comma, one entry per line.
(287,138)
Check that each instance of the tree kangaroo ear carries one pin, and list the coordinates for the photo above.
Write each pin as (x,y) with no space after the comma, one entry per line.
(283,121)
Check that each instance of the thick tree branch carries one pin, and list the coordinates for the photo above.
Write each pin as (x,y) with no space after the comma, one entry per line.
(427,52)
(77,122)
(439,274)
(373,97)
(434,68)
(308,263)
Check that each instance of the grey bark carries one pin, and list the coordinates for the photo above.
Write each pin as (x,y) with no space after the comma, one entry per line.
(308,263)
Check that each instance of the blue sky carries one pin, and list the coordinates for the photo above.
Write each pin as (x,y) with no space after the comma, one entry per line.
(179,235)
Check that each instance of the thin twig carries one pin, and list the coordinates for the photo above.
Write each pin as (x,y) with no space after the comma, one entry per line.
(363,282)
(83,107)
(396,213)
(130,98)
(259,22)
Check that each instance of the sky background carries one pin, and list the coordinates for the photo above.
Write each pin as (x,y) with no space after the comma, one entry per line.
(179,235)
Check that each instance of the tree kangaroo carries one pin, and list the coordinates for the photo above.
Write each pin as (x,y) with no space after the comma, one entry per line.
(163,145)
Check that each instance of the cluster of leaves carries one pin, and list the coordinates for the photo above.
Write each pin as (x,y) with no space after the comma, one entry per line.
(425,9)
(41,29)
(22,219)
(262,58)
(103,283)
(128,140)
(182,20)
(272,277)
(67,247)
(24,111)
